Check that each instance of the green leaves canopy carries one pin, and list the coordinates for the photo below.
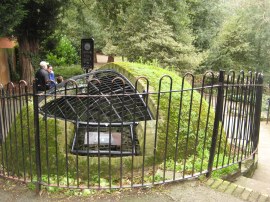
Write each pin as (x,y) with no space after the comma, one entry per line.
(148,31)
(244,39)
(9,9)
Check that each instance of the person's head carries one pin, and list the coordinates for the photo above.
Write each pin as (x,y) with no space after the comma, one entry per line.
(49,68)
(59,79)
(43,64)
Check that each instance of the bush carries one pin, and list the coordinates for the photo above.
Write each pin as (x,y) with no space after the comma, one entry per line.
(68,71)
(64,54)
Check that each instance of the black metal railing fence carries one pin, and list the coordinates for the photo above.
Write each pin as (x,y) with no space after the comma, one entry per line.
(85,134)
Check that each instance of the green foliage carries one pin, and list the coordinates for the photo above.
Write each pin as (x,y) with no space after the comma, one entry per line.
(244,41)
(30,22)
(205,17)
(149,30)
(181,34)
(19,151)
(80,21)
(40,20)
(157,178)
(156,40)
(31,186)
(68,71)
(64,54)
(8,10)
(225,171)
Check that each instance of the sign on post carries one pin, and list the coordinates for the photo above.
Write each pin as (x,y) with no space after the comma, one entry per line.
(87,54)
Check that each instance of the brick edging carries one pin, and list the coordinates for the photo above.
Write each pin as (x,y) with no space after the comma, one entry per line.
(236,190)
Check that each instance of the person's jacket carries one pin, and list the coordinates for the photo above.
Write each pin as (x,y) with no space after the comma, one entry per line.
(52,79)
(42,76)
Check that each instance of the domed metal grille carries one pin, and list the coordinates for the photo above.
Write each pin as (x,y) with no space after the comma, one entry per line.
(104,107)
(98,97)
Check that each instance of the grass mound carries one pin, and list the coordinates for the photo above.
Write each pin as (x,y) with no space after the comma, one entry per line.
(182,139)
(188,139)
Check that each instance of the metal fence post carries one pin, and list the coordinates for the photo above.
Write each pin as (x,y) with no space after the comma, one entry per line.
(257,113)
(37,137)
(218,118)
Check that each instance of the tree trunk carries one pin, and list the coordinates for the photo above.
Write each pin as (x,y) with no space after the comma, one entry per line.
(28,48)
(110,58)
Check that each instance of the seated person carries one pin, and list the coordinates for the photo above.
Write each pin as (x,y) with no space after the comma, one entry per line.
(42,77)
(51,76)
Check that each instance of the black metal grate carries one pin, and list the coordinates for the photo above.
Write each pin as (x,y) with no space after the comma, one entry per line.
(105,106)
(107,101)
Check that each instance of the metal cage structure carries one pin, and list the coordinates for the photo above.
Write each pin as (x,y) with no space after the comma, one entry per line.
(99,127)
(98,101)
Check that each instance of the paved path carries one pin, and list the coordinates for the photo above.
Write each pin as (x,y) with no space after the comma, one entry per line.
(256,188)
(260,181)
(263,171)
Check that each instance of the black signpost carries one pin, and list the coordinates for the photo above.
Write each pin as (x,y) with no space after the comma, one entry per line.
(87,54)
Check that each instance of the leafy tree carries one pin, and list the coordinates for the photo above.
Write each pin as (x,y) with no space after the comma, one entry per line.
(206,17)
(38,20)
(80,21)
(110,18)
(149,31)
(9,9)
(155,40)
(64,53)
(244,39)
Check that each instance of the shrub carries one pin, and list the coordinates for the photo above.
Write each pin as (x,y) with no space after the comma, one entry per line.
(68,71)
(64,54)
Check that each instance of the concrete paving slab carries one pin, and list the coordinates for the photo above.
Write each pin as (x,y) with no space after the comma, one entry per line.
(262,173)
(255,185)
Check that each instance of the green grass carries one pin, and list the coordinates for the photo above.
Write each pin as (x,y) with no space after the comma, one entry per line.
(220,173)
